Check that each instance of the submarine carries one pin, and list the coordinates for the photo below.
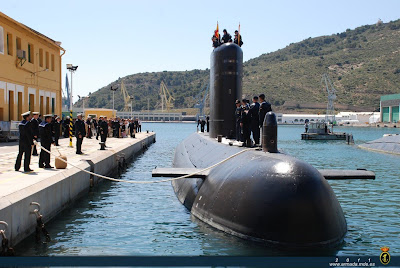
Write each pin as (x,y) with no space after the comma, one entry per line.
(256,194)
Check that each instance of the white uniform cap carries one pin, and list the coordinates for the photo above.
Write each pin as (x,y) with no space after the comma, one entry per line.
(35,112)
(79,115)
(48,115)
(26,113)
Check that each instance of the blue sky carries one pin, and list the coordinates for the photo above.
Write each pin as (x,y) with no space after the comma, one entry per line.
(111,39)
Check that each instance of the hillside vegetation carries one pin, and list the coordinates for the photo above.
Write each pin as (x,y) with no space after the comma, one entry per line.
(363,64)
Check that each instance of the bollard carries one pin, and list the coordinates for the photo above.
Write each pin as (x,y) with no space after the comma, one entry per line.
(270,133)
(219,137)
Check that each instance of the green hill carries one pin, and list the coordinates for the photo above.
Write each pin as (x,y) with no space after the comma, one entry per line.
(363,64)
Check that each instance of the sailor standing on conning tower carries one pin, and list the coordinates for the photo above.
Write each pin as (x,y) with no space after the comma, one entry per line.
(25,142)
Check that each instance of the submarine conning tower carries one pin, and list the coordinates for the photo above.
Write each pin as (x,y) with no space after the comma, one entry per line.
(226,74)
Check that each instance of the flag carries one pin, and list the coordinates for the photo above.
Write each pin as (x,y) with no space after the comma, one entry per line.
(216,32)
(239,35)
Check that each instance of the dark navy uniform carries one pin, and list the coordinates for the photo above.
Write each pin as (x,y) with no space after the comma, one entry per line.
(25,145)
(226,38)
(202,124)
(265,107)
(35,132)
(246,125)
(238,116)
(46,139)
(116,128)
(236,41)
(98,128)
(80,132)
(255,121)
(132,128)
(66,127)
(57,132)
(103,130)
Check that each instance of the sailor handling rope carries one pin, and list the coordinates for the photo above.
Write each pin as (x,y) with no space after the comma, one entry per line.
(61,158)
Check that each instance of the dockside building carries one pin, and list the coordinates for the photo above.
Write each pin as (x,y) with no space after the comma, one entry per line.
(30,71)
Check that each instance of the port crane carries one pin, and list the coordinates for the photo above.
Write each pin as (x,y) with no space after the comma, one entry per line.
(166,97)
(201,101)
(126,97)
(330,109)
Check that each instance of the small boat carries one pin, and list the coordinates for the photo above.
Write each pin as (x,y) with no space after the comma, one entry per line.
(322,131)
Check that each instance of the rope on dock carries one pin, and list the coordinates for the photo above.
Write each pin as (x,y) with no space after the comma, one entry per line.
(147,182)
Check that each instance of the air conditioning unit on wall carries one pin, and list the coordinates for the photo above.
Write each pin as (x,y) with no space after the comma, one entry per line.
(21,54)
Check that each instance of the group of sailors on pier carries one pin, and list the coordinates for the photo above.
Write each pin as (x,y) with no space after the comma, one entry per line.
(49,128)
(226,38)
(250,118)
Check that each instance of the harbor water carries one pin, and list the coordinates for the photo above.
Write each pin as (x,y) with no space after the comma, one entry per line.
(147,219)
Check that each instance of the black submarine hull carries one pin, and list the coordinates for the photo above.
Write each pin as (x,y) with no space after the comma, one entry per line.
(264,196)
(267,197)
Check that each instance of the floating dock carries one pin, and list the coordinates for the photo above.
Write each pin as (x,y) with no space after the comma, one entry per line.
(55,189)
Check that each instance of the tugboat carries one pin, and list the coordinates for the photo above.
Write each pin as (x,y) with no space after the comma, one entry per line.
(322,131)
(257,194)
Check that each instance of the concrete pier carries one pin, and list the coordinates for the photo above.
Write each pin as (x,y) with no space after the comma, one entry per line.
(55,189)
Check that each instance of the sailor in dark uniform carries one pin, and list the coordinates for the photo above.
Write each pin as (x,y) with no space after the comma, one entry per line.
(25,142)
(226,38)
(103,129)
(35,130)
(132,127)
(98,126)
(46,139)
(238,117)
(116,128)
(66,126)
(238,39)
(80,132)
(265,107)
(216,42)
(202,124)
(245,123)
(57,130)
(255,120)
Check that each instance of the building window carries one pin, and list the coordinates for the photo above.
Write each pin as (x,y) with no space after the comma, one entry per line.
(47,60)
(1,40)
(52,62)
(53,104)
(31,53)
(18,43)
(47,105)
(32,102)
(40,57)
(9,44)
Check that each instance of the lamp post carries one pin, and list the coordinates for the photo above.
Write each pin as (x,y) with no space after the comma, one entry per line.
(72,69)
(131,107)
(113,89)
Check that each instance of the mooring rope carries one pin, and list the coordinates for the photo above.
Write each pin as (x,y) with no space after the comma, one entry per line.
(147,182)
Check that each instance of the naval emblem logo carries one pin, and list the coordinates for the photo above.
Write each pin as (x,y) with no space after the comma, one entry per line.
(385,256)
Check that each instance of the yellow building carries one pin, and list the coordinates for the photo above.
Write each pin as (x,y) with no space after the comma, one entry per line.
(30,71)
(96,112)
